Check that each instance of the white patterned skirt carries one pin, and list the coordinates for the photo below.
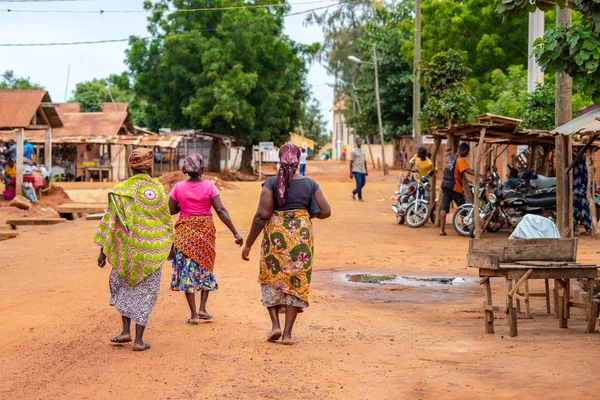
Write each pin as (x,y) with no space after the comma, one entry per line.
(135,302)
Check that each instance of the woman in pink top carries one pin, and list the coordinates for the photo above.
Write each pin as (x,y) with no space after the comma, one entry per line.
(194,239)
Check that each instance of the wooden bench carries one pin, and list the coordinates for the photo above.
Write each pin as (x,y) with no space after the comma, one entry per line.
(34,221)
(518,261)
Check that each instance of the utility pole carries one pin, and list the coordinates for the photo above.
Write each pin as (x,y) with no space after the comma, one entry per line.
(385,166)
(417,140)
(564,112)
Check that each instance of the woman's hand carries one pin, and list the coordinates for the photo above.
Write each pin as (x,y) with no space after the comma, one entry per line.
(246,253)
(102,259)
(239,240)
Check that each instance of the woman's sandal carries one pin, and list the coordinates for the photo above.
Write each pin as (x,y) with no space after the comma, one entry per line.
(274,336)
(117,339)
(207,316)
(146,347)
(191,321)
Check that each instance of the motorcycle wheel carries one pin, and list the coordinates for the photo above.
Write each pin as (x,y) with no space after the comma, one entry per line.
(400,219)
(416,216)
(462,220)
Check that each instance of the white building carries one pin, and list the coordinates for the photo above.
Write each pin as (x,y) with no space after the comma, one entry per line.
(343,136)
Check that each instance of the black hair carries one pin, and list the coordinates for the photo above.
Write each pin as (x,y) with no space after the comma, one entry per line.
(463,149)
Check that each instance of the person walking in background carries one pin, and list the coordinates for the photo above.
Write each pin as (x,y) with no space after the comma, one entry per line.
(344,156)
(402,158)
(195,235)
(303,157)
(288,241)
(452,189)
(358,169)
(581,206)
(135,237)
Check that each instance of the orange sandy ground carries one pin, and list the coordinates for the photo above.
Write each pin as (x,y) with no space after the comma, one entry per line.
(354,342)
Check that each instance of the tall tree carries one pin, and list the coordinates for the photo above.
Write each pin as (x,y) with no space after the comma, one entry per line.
(231,72)
(8,80)
(395,82)
(448,100)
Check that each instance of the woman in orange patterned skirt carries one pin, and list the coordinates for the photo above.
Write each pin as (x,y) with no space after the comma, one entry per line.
(194,239)
(288,244)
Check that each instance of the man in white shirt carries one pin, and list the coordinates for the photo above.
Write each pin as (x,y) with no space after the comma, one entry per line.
(303,157)
(358,169)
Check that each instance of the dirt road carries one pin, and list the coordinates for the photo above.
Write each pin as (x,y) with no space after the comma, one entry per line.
(355,341)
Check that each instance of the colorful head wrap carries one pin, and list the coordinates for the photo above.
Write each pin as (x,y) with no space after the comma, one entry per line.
(289,158)
(193,164)
(141,159)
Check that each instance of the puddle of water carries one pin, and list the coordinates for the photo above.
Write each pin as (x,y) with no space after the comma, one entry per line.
(402,280)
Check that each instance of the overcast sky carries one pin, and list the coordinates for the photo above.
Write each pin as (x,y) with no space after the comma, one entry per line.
(48,66)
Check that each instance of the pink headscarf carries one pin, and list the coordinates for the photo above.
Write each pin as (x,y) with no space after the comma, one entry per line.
(289,158)
(193,164)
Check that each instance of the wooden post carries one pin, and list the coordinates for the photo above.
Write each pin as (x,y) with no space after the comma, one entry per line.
(436,147)
(589,161)
(547,288)
(172,160)
(160,162)
(48,150)
(417,140)
(37,153)
(511,310)
(489,313)
(563,301)
(563,110)
(19,178)
(592,308)
(505,163)
(477,170)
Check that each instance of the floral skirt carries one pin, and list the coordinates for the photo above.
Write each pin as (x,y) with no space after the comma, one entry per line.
(287,254)
(189,277)
(135,302)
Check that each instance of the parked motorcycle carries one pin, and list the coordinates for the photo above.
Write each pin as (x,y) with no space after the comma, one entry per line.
(505,209)
(413,202)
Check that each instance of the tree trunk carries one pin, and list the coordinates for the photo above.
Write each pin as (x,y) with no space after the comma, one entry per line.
(214,161)
(246,165)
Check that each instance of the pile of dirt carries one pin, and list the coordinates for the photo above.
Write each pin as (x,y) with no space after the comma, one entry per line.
(169,180)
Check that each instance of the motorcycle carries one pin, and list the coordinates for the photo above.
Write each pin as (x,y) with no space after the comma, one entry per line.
(505,209)
(413,202)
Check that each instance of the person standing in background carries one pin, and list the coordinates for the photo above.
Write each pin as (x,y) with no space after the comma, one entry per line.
(358,169)
(344,156)
(28,149)
(452,190)
(581,206)
(303,157)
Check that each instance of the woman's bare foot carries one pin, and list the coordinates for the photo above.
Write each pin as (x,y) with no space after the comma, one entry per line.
(274,335)
(288,340)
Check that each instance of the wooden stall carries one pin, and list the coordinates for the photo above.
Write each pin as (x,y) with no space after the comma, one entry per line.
(23,112)
(521,260)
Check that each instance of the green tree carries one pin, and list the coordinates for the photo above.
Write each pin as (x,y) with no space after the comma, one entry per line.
(313,124)
(230,72)
(572,49)
(8,80)
(395,78)
(89,101)
(508,92)
(540,113)
(448,100)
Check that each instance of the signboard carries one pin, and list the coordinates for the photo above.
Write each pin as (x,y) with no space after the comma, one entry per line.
(264,146)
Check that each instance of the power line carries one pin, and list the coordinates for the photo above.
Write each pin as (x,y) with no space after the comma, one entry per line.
(159,11)
(150,37)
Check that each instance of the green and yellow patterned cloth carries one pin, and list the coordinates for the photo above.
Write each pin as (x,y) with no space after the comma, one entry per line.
(136,231)
(287,253)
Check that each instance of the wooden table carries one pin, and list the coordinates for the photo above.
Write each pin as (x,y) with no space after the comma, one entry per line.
(100,170)
(522,272)
(518,261)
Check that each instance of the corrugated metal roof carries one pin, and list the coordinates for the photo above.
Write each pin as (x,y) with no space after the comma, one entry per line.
(587,124)
(18,107)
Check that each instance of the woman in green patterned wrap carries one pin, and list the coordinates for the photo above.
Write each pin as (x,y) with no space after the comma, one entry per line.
(135,237)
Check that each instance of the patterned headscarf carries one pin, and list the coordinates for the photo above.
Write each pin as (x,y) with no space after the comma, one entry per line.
(289,158)
(141,159)
(194,163)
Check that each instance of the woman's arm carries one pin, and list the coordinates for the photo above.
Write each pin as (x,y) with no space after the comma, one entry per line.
(262,216)
(323,205)
(174,206)
(221,211)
